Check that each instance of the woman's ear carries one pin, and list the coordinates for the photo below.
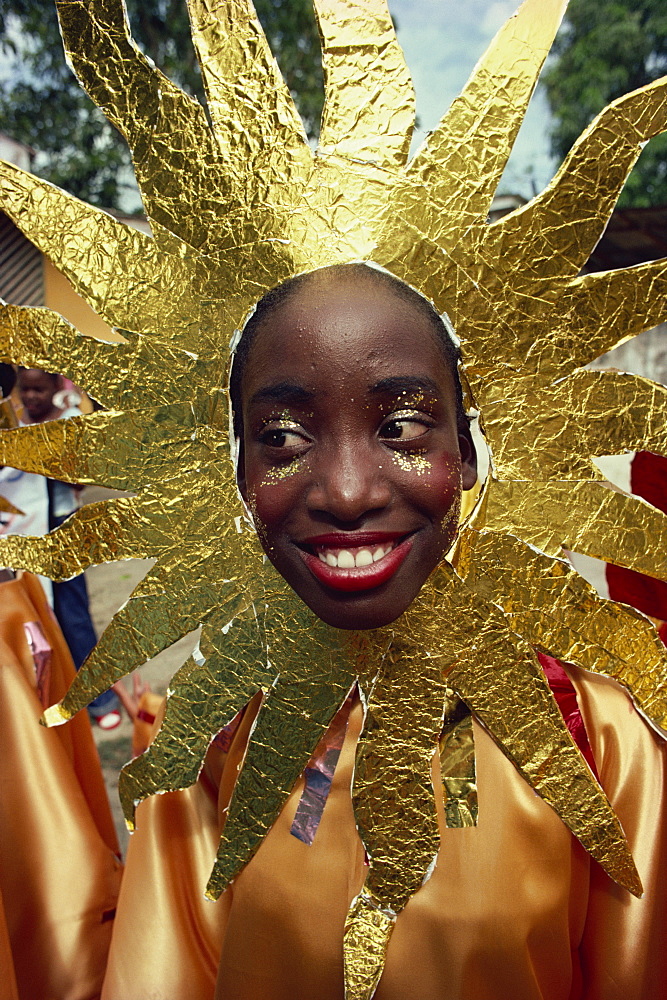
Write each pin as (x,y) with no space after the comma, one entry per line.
(468,456)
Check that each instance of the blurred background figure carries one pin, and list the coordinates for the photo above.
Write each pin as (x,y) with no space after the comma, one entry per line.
(8,417)
(45,504)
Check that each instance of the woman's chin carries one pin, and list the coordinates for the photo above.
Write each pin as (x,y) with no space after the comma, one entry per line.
(354,612)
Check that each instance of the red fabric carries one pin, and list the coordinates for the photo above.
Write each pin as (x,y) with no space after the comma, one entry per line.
(146,716)
(563,691)
(642,592)
(648,480)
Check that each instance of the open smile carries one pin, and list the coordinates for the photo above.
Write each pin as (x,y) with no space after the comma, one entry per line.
(355,561)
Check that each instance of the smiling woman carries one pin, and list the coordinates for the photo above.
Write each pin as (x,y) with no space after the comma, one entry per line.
(353,444)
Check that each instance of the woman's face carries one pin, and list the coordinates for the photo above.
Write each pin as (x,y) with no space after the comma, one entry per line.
(352,463)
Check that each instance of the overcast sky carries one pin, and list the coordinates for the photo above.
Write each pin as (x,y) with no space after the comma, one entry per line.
(442,41)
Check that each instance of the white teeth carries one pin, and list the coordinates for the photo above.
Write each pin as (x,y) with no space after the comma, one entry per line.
(345,560)
(349,560)
(363,558)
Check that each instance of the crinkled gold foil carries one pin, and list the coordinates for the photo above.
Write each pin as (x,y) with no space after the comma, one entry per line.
(370,109)
(118,270)
(240,74)
(565,424)
(582,517)
(123,450)
(367,932)
(115,374)
(554,609)
(496,673)
(393,793)
(236,207)
(480,128)
(457,764)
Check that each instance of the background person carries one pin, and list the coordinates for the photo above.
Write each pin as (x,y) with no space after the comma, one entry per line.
(46,503)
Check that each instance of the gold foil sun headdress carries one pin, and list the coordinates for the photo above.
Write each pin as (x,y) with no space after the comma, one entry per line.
(238,203)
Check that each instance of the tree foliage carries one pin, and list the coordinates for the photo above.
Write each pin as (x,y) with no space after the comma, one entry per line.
(44,107)
(606,49)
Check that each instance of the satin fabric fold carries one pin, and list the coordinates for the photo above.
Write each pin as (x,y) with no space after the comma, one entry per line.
(10,989)
(514,907)
(59,869)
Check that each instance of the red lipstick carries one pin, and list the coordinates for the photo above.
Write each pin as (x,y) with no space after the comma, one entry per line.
(355,578)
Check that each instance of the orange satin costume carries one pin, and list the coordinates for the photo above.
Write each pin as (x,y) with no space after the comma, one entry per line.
(515,908)
(59,869)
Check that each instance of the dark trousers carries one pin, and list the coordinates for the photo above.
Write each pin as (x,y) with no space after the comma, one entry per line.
(70,604)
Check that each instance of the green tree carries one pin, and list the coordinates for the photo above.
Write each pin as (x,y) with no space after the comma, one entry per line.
(44,107)
(605,49)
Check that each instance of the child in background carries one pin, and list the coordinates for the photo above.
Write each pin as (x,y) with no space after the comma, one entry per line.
(46,503)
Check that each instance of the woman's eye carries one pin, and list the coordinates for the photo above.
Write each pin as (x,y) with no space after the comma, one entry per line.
(283,437)
(403,428)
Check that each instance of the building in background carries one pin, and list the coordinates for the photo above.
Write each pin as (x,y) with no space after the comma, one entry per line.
(28,278)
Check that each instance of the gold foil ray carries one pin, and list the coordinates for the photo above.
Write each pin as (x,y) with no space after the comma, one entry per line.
(555,609)
(499,678)
(606,309)
(367,932)
(92,249)
(203,697)
(119,450)
(110,373)
(582,517)
(369,104)
(393,793)
(97,533)
(316,674)
(482,123)
(246,93)
(559,230)
(203,552)
(565,424)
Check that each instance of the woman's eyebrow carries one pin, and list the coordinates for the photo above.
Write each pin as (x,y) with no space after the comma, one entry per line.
(282,392)
(403,385)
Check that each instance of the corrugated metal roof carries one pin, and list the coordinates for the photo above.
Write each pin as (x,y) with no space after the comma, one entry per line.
(21,269)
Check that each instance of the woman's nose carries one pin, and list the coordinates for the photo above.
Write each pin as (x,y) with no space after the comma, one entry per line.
(349,482)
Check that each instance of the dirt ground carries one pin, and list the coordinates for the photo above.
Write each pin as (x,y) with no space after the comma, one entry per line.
(109,586)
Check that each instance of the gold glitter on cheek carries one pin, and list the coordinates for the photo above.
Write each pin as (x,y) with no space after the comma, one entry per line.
(455,511)
(279,473)
(452,518)
(260,526)
(412,463)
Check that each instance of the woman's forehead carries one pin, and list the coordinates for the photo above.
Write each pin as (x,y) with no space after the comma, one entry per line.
(358,308)
(346,342)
